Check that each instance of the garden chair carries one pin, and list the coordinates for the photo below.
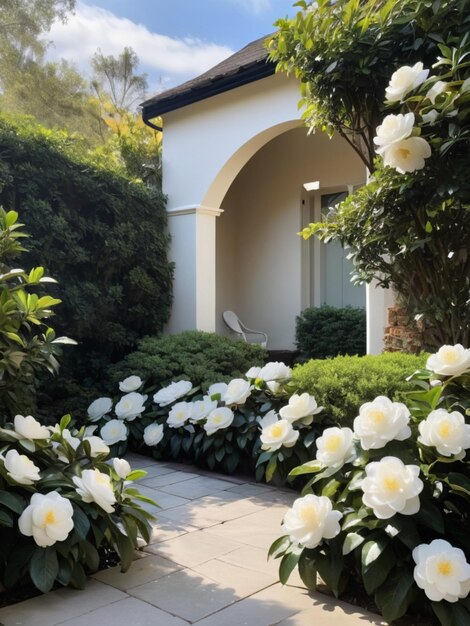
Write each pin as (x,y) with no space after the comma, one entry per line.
(247,334)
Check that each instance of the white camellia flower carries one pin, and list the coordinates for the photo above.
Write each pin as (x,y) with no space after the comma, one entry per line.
(172,392)
(20,468)
(253,372)
(114,431)
(29,428)
(407,155)
(391,487)
(335,446)
(237,391)
(98,408)
(442,571)
(180,413)
(130,406)
(439,87)
(273,386)
(449,360)
(95,486)
(73,441)
(404,80)
(153,434)
(122,468)
(276,433)
(381,421)
(97,445)
(301,407)
(430,117)
(310,520)
(275,370)
(217,419)
(394,128)
(217,389)
(202,408)
(447,432)
(131,383)
(48,518)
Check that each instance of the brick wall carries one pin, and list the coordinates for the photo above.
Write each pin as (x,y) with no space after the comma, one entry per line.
(403,334)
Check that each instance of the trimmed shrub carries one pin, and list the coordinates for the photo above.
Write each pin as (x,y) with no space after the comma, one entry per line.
(100,234)
(342,384)
(194,355)
(327,331)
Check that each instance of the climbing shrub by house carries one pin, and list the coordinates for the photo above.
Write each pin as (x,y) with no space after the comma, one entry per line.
(342,384)
(328,331)
(63,506)
(388,501)
(198,356)
(101,235)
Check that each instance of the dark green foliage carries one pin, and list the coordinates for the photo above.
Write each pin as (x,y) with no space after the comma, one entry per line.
(203,358)
(327,331)
(100,234)
(342,384)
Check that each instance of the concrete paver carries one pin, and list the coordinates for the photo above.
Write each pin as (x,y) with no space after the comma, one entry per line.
(206,564)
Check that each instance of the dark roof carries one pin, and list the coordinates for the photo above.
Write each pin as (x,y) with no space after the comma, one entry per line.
(249,64)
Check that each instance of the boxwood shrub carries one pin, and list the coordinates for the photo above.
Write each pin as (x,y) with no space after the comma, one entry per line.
(194,355)
(328,331)
(343,383)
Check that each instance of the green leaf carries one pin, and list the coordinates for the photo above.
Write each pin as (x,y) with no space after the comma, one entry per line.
(92,557)
(287,566)
(136,475)
(307,571)
(271,468)
(279,547)
(6,519)
(371,551)
(80,521)
(394,597)
(44,568)
(352,541)
(125,549)
(312,467)
(377,573)
(12,501)
(459,482)
(64,422)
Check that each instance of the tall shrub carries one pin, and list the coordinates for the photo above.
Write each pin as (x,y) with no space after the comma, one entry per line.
(102,235)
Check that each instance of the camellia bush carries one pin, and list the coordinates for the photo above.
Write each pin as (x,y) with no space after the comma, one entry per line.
(63,507)
(387,504)
(28,345)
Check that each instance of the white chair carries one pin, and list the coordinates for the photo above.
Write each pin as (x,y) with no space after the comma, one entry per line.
(247,334)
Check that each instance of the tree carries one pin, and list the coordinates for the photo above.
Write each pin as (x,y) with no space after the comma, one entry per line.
(406,229)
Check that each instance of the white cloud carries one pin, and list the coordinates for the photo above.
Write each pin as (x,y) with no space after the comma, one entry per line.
(173,60)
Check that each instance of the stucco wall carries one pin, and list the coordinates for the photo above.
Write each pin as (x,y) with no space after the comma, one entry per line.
(258,270)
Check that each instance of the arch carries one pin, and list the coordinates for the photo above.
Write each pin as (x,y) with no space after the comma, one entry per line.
(232,167)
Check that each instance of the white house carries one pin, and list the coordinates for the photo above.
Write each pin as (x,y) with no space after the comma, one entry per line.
(243,177)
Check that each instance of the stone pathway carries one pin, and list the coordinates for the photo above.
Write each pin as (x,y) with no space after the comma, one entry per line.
(206,565)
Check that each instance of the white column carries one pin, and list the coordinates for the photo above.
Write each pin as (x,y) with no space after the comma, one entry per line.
(192,249)
(377,302)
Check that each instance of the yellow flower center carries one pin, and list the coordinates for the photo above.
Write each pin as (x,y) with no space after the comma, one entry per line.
(392,484)
(333,443)
(49,518)
(308,515)
(101,478)
(377,416)
(277,430)
(180,415)
(445,429)
(404,153)
(449,356)
(445,568)
(217,419)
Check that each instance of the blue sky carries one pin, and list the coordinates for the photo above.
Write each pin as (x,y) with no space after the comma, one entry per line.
(174,39)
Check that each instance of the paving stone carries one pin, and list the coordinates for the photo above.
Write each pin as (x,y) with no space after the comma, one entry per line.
(57,606)
(143,571)
(125,612)
(331,612)
(165,529)
(170,478)
(193,548)
(187,595)
(197,487)
(163,500)
(242,580)
(259,529)
(248,489)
